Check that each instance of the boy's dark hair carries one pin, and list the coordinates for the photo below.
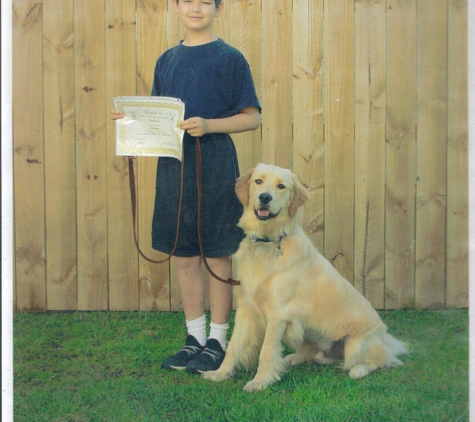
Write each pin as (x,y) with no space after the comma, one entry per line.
(216,2)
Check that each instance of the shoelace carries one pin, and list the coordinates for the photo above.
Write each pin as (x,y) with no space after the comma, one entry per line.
(213,354)
(190,350)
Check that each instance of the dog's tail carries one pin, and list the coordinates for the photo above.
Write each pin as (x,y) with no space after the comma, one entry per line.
(395,348)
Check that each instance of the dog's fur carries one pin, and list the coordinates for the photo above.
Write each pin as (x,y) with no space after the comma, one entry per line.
(294,294)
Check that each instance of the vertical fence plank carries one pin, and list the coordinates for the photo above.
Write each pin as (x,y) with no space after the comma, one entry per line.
(91,154)
(221,23)
(431,156)
(307,76)
(277,82)
(457,159)
(60,177)
(175,30)
(151,42)
(400,153)
(28,158)
(339,135)
(244,19)
(370,113)
(120,68)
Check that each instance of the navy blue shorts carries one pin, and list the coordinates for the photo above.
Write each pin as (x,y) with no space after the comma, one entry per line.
(221,208)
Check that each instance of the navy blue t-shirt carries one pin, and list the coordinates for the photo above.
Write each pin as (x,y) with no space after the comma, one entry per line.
(214,81)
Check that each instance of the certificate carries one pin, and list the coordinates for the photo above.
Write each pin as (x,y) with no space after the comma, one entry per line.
(150,126)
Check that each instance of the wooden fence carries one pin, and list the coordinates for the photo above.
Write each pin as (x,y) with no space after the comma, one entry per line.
(365,100)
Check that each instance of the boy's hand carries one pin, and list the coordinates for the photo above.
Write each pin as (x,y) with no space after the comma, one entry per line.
(115,115)
(195,126)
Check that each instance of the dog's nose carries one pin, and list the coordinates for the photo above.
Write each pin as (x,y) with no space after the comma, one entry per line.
(265,198)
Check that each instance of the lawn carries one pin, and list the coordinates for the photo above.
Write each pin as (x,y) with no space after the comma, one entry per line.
(105,366)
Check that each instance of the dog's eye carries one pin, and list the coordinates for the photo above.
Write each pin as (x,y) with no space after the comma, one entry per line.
(281,186)
(258,181)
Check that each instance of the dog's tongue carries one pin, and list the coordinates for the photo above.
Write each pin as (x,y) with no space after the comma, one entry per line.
(263,212)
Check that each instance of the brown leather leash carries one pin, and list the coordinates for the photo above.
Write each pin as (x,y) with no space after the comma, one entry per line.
(200,200)
(133,198)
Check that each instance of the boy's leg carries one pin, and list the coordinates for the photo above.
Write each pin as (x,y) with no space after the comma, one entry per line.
(220,298)
(190,282)
(220,303)
(220,294)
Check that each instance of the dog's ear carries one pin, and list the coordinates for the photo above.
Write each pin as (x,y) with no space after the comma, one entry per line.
(299,196)
(242,188)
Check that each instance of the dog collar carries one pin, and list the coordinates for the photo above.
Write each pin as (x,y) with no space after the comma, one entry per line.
(278,249)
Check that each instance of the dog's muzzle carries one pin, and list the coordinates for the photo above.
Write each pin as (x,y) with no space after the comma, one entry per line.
(263,213)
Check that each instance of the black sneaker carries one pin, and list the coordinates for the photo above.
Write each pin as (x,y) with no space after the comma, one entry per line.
(191,350)
(209,360)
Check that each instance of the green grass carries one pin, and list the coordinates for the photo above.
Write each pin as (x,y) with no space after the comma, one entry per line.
(80,367)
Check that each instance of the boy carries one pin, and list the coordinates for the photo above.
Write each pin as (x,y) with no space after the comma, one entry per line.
(214,81)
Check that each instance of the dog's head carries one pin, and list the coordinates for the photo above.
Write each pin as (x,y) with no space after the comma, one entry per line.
(271,191)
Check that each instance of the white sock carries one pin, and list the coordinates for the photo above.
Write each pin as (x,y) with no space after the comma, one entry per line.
(219,332)
(197,328)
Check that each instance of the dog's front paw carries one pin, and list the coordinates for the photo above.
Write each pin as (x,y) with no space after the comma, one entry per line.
(215,375)
(255,386)
(260,382)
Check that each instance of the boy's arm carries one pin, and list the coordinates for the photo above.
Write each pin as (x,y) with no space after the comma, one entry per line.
(247,119)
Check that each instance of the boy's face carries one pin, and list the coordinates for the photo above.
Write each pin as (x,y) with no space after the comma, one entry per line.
(197,14)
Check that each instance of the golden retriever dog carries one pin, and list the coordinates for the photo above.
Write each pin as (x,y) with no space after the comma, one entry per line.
(289,292)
